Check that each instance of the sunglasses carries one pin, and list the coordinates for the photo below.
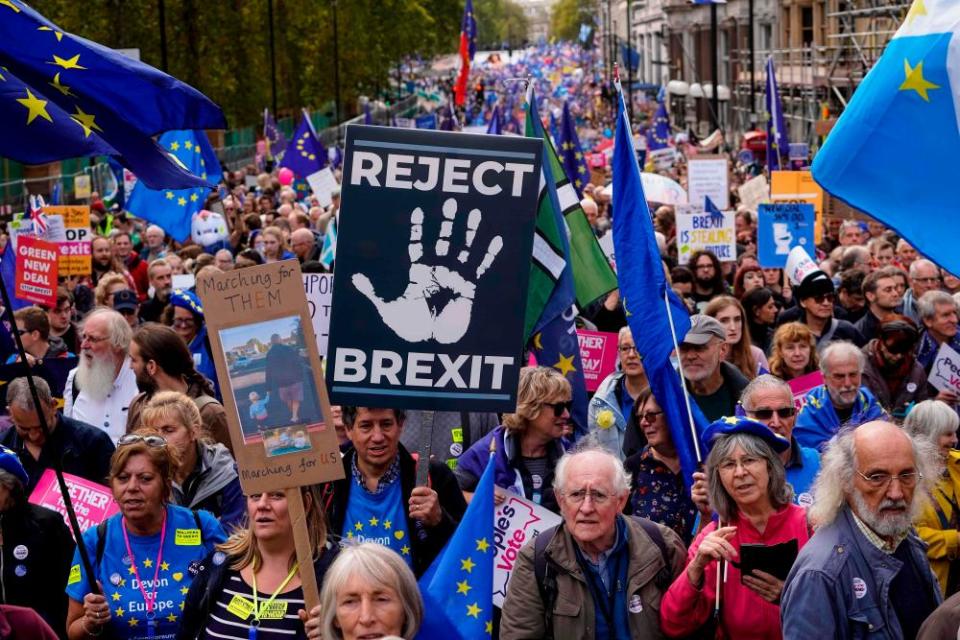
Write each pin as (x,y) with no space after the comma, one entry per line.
(559,407)
(134,438)
(782,413)
(899,345)
(824,297)
(649,416)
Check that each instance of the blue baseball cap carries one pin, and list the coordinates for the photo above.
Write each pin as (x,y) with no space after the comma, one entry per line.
(10,463)
(735,424)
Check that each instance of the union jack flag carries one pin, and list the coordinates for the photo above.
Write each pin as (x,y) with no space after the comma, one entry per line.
(38,214)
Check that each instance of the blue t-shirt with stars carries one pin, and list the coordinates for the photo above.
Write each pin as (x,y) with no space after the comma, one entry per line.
(183,549)
(379,518)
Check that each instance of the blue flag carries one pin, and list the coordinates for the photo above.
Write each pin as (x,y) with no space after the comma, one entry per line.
(276,142)
(328,253)
(172,209)
(97,92)
(367,118)
(658,135)
(337,158)
(571,154)
(554,130)
(778,143)
(644,290)
(890,154)
(631,57)
(494,127)
(458,587)
(304,155)
(713,210)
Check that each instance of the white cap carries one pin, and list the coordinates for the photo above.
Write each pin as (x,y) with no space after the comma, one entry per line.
(799,265)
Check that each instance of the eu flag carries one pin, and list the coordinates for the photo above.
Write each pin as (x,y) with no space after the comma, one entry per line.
(571,154)
(171,209)
(631,57)
(658,135)
(458,587)
(276,142)
(102,94)
(778,143)
(645,296)
(554,129)
(304,155)
(891,152)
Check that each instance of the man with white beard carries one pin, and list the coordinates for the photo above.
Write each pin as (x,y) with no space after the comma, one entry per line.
(865,571)
(100,389)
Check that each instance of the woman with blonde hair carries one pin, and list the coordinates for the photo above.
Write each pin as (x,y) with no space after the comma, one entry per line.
(250,586)
(274,245)
(370,592)
(109,284)
(794,351)
(528,444)
(741,353)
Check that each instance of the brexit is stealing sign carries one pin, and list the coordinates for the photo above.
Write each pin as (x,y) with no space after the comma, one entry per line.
(433,258)
(780,228)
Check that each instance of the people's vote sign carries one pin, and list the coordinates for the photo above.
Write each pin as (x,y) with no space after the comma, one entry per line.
(36,276)
(92,502)
(780,228)
(698,230)
(433,258)
(515,523)
(945,372)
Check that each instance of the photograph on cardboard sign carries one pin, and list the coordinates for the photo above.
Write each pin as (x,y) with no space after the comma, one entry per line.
(272,384)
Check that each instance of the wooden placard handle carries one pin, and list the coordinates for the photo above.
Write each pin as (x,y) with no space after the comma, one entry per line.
(301,539)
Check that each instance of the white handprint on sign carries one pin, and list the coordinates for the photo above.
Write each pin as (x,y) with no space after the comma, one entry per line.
(411,316)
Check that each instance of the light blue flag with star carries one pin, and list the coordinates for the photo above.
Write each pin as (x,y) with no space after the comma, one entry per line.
(458,587)
(891,152)
(172,209)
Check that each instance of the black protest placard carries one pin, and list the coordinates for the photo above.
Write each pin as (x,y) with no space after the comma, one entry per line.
(433,258)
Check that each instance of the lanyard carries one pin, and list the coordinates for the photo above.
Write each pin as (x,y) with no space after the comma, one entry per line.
(257,610)
(150,600)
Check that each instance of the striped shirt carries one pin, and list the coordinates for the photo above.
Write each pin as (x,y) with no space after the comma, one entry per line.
(223,623)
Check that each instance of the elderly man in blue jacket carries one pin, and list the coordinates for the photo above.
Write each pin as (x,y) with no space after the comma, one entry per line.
(865,572)
(840,400)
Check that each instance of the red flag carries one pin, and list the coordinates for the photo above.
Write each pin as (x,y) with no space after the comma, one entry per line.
(468,46)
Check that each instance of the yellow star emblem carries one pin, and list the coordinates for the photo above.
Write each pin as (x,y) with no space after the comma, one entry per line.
(565,365)
(197,149)
(62,88)
(115,596)
(473,610)
(184,590)
(164,566)
(174,146)
(133,622)
(537,341)
(467,565)
(188,144)
(405,550)
(131,569)
(118,612)
(915,81)
(194,197)
(182,201)
(123,582)
(918,8)
(349,534)
(374,522)
(181,605)
(463,587)
(58,34)
(578,183)
(489,626)
(358,526)
(171,618)
(148,563)
(67,63)
(387,524)
(7,3)
(35,107)
(169,195)
(86,122)
(730,420)
(482,544)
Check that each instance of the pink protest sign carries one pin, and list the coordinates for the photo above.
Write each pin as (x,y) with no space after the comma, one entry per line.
(802,385)
(598,353)
(93,502)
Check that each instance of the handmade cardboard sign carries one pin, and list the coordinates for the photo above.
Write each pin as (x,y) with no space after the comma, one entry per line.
(267,363)
(698,230)
(515,523)
(319,290)
(433,257)
(707,178)
(75,250)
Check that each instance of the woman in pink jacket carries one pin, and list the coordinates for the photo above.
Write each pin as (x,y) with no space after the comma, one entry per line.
(748,490)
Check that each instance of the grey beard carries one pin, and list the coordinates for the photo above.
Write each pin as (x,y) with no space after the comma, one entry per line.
(96,378)
(887,526)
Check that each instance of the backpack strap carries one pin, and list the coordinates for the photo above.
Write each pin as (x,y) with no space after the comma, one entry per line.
(664,577)
(546,581)
(203,400)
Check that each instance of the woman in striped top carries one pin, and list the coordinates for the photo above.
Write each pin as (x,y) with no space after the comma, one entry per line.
(250,586)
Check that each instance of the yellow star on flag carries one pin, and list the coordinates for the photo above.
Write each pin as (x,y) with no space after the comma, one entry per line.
(194,197)
(123,582)
(182,201)
(164,566)
(489,626)
(133,622)
(197,149)
(184,590)
(131,569)
(374,522)
(463,587)
(35,107)
(915,81)
(148,563)
(7,3)
(174,146)
(349,534)
(118,612)
(58,34)
(188,144)
(482,544)
(62,88)
(171,618)
(467,565)
(169,195)
(115,596)
(67,63)
(387,524)
(405,550)
(358,526)
(86,122)
(916,9)
(473,610)
(181,605)
(565,365)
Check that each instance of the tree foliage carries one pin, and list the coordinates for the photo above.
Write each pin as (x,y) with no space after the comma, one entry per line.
(568,15)
(499,22)
(222,48)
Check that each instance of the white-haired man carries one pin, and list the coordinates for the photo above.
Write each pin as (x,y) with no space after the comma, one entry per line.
(154,246)
(865,572)
(599,575)
(608,415)
(840,400)
(924,277)
(99,390)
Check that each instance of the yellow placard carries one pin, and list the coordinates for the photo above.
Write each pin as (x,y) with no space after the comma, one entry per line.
(273,610)
(75,251)
(187,538)
(240,607)
(799,186)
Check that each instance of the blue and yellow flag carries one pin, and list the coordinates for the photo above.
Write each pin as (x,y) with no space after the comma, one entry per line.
(778,142)
(97,93)
(458,587)
(172,209)
(571,154)
(891,154)
(305,155)
(658,135)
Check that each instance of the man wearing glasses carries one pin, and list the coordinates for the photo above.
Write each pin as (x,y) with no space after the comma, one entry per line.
(924,277)
(817,296)
(608,415)
(865,572)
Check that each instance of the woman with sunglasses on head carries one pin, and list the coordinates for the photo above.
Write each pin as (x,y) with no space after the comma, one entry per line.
(657,489)
(145,557)
(250,587)
(528,444)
